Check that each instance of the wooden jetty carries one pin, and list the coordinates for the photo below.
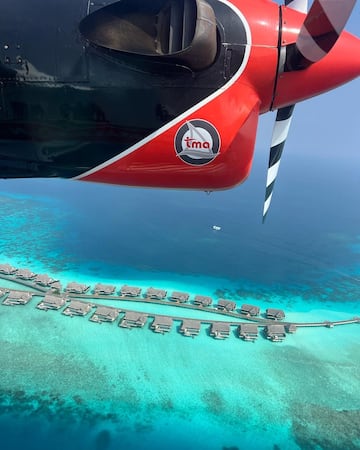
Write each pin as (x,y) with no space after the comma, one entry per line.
(133,319)
(104,289)
(17,298)
(179,297)
(228,305)
(275,314)
(161,324)
(105,314)
(190,327)
(248,331)
(275,333)
(202,300)
(249,310)
(77,308)
(220,330)
(51,301)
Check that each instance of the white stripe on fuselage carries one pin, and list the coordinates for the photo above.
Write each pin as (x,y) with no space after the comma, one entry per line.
(199,105)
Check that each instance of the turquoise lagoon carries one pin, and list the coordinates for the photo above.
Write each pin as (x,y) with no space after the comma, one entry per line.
(70,383)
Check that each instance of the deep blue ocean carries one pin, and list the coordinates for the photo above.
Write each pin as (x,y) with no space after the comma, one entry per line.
(68,383)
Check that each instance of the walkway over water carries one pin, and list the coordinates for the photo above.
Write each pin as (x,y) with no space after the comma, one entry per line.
(235,318)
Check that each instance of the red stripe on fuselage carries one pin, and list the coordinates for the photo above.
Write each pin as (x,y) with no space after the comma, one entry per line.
(233,111)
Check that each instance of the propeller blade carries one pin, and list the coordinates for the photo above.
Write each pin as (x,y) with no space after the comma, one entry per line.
(319,32)
(298,5)
(280,132)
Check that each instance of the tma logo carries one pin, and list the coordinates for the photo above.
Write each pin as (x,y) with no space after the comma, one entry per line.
(197,142)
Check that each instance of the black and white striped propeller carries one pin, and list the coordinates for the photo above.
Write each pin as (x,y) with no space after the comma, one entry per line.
(321,28)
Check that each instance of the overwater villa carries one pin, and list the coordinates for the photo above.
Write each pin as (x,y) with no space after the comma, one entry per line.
(77,288)
(105,314)
(275,314)
(275,333)
(226,305)
(133,319)
(250,310)
(161,324)
(77,308)
(248,331)
(220,330)
(25,274)
(17,298)
(104,289)
(56,286)
(291,328)
(190,327)
(130,291)
(157,294)
(44,280)
(179,297)
(7,269)
(202,300)
(51,301)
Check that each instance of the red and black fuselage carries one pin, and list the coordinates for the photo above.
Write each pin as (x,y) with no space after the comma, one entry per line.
(161,93)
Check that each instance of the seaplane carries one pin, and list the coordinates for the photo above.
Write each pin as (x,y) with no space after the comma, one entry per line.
(161,93)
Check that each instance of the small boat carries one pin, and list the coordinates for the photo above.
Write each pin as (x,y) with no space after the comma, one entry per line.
(216,228)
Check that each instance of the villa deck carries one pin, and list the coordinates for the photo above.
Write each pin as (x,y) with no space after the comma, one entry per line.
(56,287)
(130,291)
(52,302)
(105,314)
(104,289)
(190,327)
(227,305)
(77,308)
(44,280)
(179,297)
(275,314)
(7,269)
(17,298)
(158,294)
(220,330)
(275,333)
(248,331)
(291,328)
(133,319)
(77,288)
(202,300)
(161,324)
(25,274)
(250,310)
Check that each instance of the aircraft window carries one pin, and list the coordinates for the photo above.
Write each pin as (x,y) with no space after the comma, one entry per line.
(182,31)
